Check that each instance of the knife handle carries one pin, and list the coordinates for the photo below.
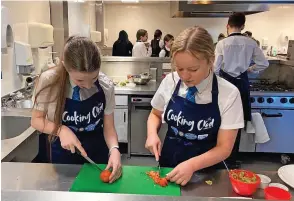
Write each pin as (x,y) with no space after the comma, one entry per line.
(77,151)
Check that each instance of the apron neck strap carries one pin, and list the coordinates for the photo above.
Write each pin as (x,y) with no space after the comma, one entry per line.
(214,91)
(176,91)
(235,34)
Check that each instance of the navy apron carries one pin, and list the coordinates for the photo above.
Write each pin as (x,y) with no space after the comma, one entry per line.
(242,83)
(167,53)
(85,119)
(192,127)
(155,47)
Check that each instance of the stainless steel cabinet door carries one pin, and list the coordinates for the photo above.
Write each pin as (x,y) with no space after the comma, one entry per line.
(121,124)
(280,127)
(139,117)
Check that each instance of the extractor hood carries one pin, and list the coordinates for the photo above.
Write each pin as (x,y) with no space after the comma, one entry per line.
(182,9)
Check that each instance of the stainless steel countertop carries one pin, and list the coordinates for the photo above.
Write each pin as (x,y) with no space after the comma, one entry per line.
(148,89)
(152,87)
(136,59)
(72,196)
(58,177)
(272,60)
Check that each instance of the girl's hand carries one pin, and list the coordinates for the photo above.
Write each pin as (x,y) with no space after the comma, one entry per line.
(181,174)
(69,140)
(114,162)
(153,144)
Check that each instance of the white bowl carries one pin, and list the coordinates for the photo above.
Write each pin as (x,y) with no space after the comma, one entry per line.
(278,185)
(264,181)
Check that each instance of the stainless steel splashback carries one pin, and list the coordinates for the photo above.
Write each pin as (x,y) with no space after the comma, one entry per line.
(290,52)
(118,68)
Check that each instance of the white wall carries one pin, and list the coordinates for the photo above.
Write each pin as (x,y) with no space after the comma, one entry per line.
(23,11)
(271,25)
(131,17)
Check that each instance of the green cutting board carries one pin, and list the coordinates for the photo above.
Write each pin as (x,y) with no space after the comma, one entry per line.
(133,181)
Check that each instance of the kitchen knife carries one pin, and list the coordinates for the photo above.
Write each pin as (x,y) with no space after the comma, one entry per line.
(88,159)
(159,169)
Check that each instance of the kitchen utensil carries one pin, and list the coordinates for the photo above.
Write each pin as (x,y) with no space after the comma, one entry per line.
(278,185)
(286,173)
(264,181)
(142,79)
(237,198)
(274,193)
(226,167)
(158,166)
(243,188)
(88,159)
(133,181)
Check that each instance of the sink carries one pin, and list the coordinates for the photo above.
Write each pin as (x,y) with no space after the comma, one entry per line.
(26,104)
(12,126)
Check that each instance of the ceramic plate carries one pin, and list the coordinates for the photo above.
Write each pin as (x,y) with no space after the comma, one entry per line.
(286,173)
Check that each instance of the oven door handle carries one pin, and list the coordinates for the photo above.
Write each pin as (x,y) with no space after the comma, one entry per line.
(143,107)
(271,115)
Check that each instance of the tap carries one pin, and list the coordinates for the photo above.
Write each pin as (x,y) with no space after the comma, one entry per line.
(31,80)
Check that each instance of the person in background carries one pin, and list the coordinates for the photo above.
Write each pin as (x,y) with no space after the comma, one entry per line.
(73,109)
(156,43)
(203,111)
(122,47)
(142,48)
(252,64)
(232,59)
(249,34)
(219,38)
(165,51)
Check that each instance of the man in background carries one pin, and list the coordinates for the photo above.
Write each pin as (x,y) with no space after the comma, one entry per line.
(233,56)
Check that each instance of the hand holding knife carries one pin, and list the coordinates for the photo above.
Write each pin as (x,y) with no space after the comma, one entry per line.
(88,159)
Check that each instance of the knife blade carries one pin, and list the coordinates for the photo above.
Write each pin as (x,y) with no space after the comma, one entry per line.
(88,159)
(159,169)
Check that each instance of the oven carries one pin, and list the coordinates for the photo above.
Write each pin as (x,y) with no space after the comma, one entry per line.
(280,126)
(277,111)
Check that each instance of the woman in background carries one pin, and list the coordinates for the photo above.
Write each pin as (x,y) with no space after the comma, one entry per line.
(165,51)
(156,43)
(122,47)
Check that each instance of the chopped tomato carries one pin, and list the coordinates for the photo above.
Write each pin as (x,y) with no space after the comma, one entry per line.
(157,179)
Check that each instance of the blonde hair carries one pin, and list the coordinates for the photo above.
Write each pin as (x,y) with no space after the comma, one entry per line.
(195,40)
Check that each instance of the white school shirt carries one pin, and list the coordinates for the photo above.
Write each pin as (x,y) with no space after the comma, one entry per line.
(46,79)
(229,99)
(140,50)
(235,53)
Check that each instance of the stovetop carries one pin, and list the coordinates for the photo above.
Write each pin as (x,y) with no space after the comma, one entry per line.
(271,95)
(265,85)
